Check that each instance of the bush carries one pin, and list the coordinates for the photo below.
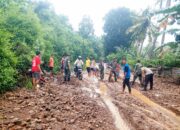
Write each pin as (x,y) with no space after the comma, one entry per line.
(8,63)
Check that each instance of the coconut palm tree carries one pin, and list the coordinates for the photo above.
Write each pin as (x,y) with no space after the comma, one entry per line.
(142,28)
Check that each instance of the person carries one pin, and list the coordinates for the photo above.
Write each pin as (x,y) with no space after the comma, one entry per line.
(113,70)
(62,64)
(101,69)
(36,70)
(93,67)
(88,64)
(78,63)
(67,68)
(127,75)
(147,75)
(137,72)
(118,68)
(51,64)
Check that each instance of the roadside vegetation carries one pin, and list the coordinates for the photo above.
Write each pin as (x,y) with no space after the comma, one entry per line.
(27,26)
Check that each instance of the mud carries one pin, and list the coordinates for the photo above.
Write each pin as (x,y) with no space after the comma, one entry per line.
(166,93)
(56,106)
(91,105)
(141,114)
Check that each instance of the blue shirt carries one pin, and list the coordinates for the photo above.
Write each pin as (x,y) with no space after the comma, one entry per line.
(127,71)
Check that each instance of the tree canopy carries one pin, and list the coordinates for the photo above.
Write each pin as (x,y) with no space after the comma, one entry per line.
(27,26)
(117,22)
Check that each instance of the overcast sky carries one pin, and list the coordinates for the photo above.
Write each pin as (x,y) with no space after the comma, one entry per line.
(96,9)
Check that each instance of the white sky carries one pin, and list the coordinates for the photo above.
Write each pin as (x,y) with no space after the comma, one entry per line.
(96,9)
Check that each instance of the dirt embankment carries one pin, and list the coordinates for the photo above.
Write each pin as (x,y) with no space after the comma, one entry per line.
(56,106)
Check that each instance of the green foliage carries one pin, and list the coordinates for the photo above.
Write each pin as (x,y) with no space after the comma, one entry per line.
(173,10)
(117,21)
(120,53)
(86,27)
(27,26)
(8,63)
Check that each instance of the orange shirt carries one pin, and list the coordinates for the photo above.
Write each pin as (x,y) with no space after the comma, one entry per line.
(51,62)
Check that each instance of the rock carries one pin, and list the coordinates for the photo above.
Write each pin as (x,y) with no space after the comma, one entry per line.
(31,112)
(72,121)
(16,121)
(39,127)
(31,104)
(6,122)
(28,119)
(20,102)
(11,98)
(53,119)
(38,120)
(24,124)
(18,128)
(16,109)
(11,117)
(26,97)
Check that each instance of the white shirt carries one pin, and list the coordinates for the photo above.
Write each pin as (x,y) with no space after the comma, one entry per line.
(79,63)
(147,70)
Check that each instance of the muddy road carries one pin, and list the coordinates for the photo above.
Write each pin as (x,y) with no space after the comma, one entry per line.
(87,105)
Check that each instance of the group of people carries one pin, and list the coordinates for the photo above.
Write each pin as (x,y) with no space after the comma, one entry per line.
(144,74)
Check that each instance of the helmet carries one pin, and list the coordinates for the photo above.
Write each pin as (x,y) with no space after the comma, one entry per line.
(79,57)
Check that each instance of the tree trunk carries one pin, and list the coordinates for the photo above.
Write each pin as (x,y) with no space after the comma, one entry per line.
(163,38)
(141,46)
(168,4)
(151,51)
(160,5)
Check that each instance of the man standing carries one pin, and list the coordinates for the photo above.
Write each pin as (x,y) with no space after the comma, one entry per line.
(127,75)
(51,64)
(78,65)
(101,69)
(118,68)
(67,67)
(36,70)
(137,72)
(93,66)
(113,70)
(88,64)
(148,77)
(62,64)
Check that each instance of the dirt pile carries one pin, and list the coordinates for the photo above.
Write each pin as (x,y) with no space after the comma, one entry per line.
(56,106)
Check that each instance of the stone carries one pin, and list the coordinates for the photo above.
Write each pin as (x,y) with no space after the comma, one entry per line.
(16,121)
(39,127)
(16,109)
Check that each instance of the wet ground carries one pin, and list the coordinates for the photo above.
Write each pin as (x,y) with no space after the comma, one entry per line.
(91,104)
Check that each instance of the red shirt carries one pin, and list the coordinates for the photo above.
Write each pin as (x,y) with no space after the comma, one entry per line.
(35,62)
